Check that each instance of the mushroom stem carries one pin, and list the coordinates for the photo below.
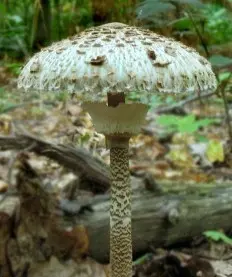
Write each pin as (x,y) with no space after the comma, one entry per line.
(120,210)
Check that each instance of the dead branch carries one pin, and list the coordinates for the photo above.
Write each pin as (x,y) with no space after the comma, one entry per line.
(182,103)
(93,172)
(159,221)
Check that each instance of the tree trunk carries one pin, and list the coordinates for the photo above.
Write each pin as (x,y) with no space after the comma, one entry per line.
(57,19)
(102,11)
(42,28)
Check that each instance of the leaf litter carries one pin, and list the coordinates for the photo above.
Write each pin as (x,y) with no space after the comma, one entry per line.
(175,155)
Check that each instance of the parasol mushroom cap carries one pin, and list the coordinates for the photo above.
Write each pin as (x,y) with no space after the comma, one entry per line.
(117,58)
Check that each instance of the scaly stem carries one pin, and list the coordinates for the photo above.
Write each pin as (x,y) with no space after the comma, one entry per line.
(120,211)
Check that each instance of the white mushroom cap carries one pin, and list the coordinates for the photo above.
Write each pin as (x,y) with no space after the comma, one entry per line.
(117,58)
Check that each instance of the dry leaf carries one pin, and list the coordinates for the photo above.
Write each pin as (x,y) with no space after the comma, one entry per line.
(54,268)
(3,186)
(181,157)
(215,151)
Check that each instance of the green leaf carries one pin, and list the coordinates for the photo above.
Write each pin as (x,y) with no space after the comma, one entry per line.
(189,119)
(219,60)
(5,106)
(195,3)
(16,18)
(2,10)
(170,100)
(187,124)
(155,101)
(201,138)
(224,76)
(205,122)
(142,259)
(150,8)
(182,23)
(15,68)
(84,138)
(184,124)
(217,236)
(168,120)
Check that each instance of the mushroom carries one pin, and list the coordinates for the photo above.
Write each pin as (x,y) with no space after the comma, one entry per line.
(103,65)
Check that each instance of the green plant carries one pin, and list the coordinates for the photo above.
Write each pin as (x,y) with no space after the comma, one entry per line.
(6,102)
(13,28)
(14,67)
(218,19)
(218,236)
(189,17)
(152,101)
(153,10)
(183,124)
(20,23)
(220,61)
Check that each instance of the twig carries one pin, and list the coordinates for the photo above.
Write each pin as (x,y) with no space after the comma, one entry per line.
(16,106)
(203,43)
(182,103)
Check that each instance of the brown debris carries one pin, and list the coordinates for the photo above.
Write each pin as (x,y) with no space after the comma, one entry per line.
(99,60)
(35,66)
(80,52)
(161,64)
(151,54)
(174,264)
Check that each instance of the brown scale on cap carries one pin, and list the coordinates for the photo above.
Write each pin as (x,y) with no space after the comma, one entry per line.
(170,51)
(203,61)
(106,39)
(151,54)
(120,45)
(80,52)
(161,64)
(126,48)
(97,45)
(99,60)
(35,67)
(110,36)
(159,85)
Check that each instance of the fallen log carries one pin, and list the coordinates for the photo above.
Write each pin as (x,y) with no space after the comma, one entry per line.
(158,221)
(162,220)
(93,172)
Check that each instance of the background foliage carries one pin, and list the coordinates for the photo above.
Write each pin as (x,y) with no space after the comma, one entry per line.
(28,25)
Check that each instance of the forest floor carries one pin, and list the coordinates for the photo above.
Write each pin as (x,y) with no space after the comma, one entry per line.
(185,146)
